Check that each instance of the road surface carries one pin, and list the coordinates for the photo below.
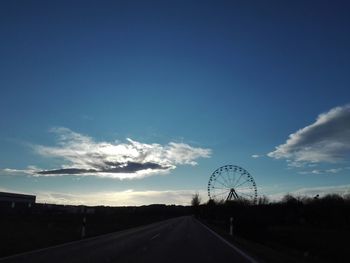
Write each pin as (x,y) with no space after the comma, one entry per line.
(182,239)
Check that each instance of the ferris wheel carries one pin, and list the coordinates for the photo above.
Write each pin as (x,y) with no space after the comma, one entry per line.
(231,182)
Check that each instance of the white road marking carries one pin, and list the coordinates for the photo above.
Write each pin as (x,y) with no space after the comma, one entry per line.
(155,236)
(243,254)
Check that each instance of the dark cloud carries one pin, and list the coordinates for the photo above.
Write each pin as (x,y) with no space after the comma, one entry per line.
(111,167)
(67,171)
(132,167)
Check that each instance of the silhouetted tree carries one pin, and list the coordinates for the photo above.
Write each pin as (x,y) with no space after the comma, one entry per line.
(196,200)
(346,198)
(332,199)
(263,200)
(289,199)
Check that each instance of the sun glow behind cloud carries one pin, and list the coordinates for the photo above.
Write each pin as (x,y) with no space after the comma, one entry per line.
(128,197)
(83,156)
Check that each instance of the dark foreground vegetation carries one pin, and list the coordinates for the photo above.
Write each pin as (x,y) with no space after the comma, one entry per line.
(24,229)
(293,230)
(300,229)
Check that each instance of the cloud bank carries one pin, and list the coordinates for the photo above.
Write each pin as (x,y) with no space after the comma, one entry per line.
(313,191)
(255,156)
(82,155)
(327,140)
(325,171)
(120,198)
(130,197)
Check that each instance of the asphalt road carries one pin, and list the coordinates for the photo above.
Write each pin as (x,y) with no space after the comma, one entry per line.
(182,239)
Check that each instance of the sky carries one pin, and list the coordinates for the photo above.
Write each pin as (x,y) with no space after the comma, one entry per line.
(139,102)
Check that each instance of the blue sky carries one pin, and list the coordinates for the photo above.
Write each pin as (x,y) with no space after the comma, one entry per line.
(199,84)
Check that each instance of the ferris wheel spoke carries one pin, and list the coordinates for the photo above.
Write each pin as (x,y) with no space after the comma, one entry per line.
(232,178)
(243,183)
(228,179)
(215,187)
(250,195)
(237,177)
(223,184)
(225,179)
(221,194)
(237,181)
(244,188)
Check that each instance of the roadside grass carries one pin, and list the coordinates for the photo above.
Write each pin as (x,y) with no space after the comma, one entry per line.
(42,227)
(267,252)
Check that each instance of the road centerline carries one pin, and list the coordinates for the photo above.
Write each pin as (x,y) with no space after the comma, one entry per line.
(154,237)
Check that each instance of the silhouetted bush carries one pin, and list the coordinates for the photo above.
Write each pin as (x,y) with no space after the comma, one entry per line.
(317,226)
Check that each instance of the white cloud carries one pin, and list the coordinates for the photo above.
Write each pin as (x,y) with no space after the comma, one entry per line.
(84,156)
(326,171)
(255,156)
(334,170)
(18,171)
(315,171)
(324,190)
(326,140)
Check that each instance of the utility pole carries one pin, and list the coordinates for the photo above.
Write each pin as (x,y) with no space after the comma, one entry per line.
(83,227)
